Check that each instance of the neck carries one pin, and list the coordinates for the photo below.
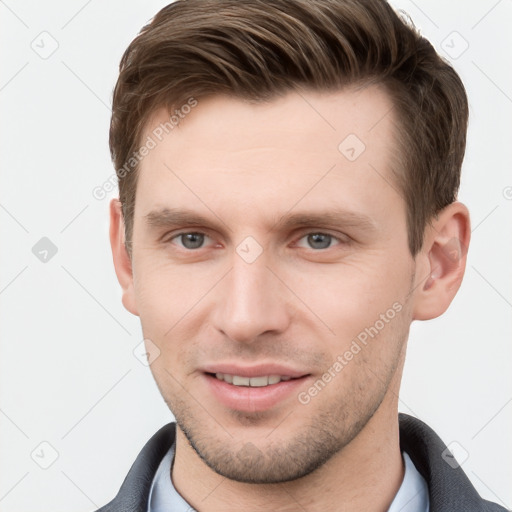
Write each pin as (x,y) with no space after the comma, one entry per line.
(365,475)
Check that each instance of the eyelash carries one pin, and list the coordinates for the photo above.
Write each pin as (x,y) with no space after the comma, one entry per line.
(303,235)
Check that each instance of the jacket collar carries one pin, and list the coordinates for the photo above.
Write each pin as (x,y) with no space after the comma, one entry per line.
(134,492)
(449,488)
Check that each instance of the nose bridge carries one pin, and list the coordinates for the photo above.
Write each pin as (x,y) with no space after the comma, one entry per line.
(252,302)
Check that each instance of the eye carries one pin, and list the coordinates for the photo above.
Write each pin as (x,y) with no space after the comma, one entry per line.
(318,241)
(191,240)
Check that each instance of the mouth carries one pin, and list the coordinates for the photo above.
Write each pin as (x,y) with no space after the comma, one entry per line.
(254,390)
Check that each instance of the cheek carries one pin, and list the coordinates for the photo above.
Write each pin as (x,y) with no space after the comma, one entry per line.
(167,294)
(348,298)
(157,281)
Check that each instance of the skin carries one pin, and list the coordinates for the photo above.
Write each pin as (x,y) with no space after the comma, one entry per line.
(301,303)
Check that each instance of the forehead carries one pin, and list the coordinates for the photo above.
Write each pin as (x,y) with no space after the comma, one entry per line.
(303,147)
(365,112)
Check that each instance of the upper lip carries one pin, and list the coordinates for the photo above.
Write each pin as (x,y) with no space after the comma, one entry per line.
(255,370)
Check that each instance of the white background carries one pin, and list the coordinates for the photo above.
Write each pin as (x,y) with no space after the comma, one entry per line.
(68,376)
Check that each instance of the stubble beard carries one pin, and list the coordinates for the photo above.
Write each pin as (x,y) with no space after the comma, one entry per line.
(276,460)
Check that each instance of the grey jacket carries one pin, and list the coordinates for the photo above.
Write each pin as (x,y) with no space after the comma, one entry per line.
(449,488)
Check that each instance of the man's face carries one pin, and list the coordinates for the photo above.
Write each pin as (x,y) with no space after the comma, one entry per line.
(284,245)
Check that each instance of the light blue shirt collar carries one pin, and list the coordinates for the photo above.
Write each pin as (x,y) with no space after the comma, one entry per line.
(413,493)
(163,497)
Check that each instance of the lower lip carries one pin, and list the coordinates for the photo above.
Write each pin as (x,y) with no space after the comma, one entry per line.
(253,399)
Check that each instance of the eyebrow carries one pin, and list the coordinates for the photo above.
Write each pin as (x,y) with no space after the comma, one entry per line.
(167,217)
(171,217)
(333,217)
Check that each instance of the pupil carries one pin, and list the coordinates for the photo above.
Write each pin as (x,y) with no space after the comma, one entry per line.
(319,241)
(192,240)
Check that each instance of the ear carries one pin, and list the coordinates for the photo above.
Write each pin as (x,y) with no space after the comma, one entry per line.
(122,261)
(441,263)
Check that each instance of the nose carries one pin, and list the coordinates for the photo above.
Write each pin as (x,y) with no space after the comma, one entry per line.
(252,302)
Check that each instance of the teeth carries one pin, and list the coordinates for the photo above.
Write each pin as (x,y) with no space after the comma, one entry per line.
(261,381)
(254,382)
(241,381)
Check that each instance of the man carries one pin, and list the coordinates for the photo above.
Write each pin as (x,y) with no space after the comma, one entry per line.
(288,174)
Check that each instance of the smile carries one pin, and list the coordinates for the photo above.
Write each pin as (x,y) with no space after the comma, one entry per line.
(257,392)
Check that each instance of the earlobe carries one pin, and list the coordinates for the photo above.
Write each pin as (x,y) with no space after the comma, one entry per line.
(442,261)
(122,261)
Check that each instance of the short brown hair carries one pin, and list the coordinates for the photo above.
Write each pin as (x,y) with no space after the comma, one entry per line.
(261,49)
